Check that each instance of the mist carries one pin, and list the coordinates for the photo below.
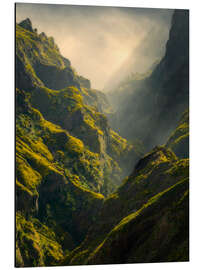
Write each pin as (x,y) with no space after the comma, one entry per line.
(101,41)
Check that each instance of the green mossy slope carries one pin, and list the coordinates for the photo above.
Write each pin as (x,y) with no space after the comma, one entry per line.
(70,103)
(157,232)
(179,139)
(36,244)
(155,174)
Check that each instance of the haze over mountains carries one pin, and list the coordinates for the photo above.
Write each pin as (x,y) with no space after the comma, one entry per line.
(99,40)
(84,193)
(152,105)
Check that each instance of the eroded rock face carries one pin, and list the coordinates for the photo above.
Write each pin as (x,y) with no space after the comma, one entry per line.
(25,200)
(56,78)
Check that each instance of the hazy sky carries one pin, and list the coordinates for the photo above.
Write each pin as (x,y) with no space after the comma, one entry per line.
(98,40)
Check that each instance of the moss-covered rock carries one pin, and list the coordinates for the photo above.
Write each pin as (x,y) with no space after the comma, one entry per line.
(154,176)
(157,232)
(179,139)
(48,159)
(65,98)
(36,244)
(39,62)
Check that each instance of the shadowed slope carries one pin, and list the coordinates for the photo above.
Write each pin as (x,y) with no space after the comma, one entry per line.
(130,220)
(150,108)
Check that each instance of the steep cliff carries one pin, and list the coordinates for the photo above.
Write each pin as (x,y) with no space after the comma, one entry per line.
(149,109)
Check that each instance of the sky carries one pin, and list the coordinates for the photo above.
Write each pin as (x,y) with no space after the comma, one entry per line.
(100,41)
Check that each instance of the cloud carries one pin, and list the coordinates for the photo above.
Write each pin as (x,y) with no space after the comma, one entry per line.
(97,40)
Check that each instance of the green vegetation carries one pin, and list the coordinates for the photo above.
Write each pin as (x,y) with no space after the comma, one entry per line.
(44,49)
(147,224)
(36,244)
(75,146)
(179,139)
(158,186)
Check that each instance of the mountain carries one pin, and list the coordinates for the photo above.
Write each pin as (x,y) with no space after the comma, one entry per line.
(149,109)
(146,219)
(67,156)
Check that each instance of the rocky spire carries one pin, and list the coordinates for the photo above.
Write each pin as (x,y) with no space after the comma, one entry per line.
(27,24)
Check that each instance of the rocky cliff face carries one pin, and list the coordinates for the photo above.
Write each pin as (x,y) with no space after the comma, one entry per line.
(152,107)
(67,155)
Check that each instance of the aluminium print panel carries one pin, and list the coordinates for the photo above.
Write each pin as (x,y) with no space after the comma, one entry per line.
(102,135)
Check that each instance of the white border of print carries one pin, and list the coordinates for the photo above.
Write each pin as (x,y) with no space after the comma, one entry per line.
(196,130)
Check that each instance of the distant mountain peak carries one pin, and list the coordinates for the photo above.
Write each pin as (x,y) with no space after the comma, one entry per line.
(26,24)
